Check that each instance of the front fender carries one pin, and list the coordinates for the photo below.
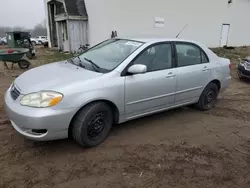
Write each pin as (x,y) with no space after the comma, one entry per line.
(79,99)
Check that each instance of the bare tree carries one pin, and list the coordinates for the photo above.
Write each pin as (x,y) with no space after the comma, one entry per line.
(38,30)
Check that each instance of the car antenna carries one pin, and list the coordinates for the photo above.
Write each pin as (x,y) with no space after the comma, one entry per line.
(181,31)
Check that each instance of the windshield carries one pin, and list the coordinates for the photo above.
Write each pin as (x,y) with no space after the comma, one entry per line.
(109,54)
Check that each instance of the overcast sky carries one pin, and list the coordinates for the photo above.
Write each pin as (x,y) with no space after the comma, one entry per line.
(24,13)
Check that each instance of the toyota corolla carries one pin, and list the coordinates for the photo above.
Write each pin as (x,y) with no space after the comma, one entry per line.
(113,82)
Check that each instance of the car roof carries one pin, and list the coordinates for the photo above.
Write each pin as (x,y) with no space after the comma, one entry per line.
(149,41)
(154,40)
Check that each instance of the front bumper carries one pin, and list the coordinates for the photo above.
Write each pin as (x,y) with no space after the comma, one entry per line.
(242,72)
(40,124)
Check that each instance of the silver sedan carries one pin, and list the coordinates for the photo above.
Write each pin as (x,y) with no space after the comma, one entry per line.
(115,81)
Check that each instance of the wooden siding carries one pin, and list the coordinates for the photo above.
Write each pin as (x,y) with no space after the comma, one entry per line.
(77,34)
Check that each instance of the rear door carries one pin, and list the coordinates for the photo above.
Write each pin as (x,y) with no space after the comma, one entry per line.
(193,72)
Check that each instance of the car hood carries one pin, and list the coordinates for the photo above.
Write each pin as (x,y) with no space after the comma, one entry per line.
(53,76)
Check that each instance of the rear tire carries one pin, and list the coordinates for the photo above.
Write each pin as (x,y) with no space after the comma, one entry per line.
(92,124)
(208,97)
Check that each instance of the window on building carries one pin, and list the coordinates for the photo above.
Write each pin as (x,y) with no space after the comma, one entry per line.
(59,8)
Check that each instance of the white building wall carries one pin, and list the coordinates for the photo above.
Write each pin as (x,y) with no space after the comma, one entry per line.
(135,18)
(239,34)
(97,21)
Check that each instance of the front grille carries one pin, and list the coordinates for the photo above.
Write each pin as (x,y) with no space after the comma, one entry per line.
(243,71)
(14,92)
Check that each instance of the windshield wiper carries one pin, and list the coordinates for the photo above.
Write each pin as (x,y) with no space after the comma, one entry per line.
(79,59)
(77,64)
(95,66)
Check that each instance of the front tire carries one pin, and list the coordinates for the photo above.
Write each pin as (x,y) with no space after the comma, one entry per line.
(92,124)
(208,97)
(240,77)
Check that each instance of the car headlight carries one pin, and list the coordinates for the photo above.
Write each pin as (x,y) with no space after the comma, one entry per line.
(41,99)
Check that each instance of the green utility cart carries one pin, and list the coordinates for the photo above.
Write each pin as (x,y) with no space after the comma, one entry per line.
(14,55)
(15,38)
(20,39)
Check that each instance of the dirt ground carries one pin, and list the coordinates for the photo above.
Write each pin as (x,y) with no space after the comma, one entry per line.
(180,148)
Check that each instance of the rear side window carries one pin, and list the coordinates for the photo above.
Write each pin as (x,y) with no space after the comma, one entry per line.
(204,58)
(189,54)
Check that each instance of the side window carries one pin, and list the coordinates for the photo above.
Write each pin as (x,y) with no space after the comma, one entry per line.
(204,58)
(189,54)
(158,57)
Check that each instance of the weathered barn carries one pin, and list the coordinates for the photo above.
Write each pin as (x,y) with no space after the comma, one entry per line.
(66,23)
(72,23)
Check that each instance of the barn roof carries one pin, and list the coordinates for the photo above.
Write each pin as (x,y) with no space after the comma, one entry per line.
(76,7)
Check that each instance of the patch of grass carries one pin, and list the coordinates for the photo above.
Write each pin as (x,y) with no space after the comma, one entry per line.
(47,55)
(232,54)
(52,56)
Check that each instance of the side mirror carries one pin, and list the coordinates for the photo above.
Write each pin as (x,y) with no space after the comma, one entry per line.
(137,69)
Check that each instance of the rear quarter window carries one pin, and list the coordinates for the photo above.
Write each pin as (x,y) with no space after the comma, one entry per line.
(189,54)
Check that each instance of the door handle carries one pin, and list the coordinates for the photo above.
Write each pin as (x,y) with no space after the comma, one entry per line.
(170,75)
(205,69)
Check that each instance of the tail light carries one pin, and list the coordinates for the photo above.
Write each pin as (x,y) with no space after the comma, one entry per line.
(230,66)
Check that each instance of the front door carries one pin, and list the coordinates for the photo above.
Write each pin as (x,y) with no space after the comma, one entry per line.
(224,34)
(193,72)
(155,89)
